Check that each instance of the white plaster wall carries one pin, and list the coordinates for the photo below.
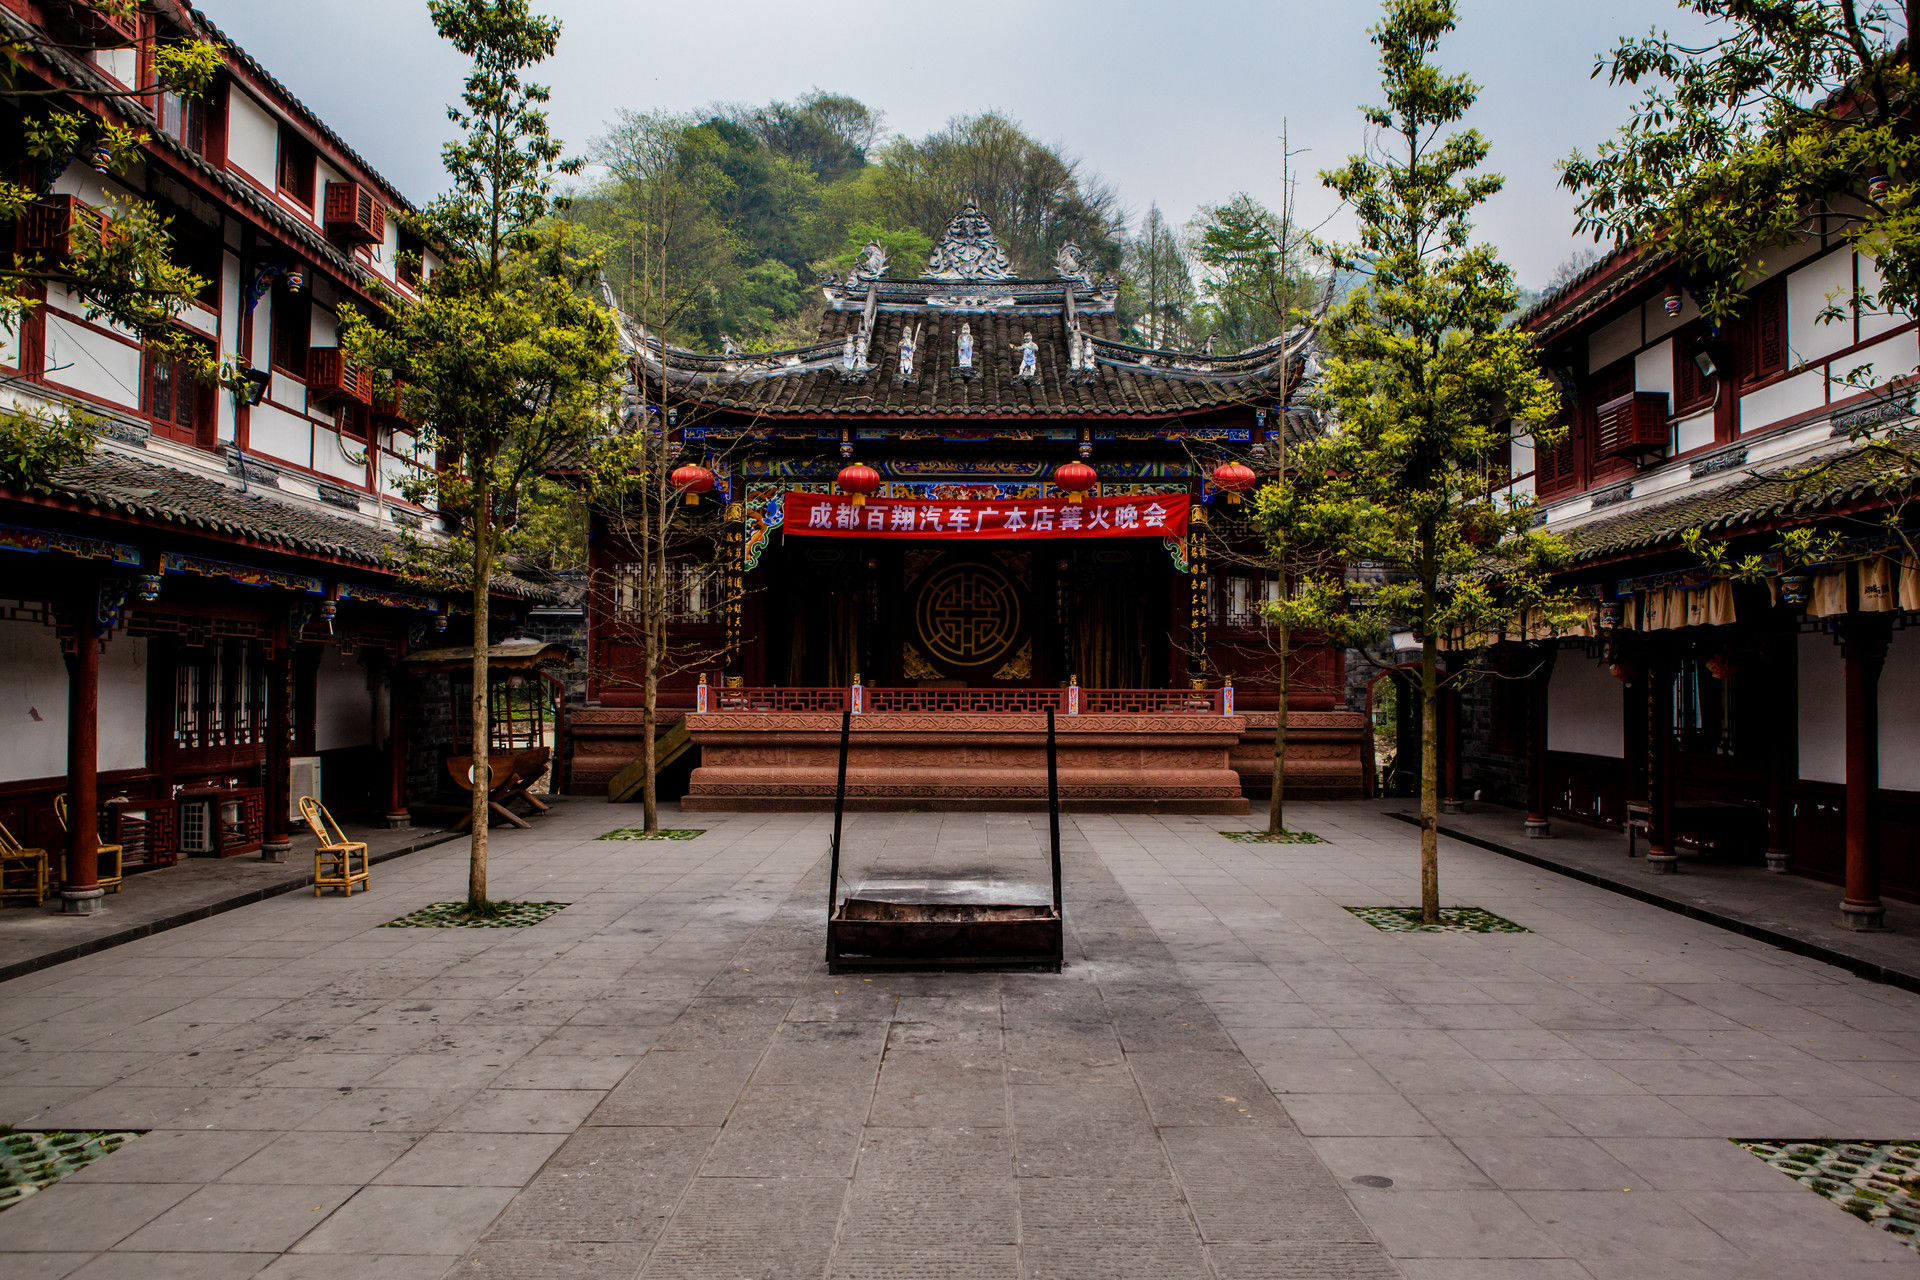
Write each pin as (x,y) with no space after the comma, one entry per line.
(1900,714)
(229,338)
(1782,400)
(1692,433)
(253,139)
(1653,370)
(1874,323)
(279,434)
(33,703)
(1890,358)
(9,346)
(1585,708)
(92,362)
(342,705)
(122,64)
(1611,342)
(325,328)
(1823,710)
(1808,291)
(330,456)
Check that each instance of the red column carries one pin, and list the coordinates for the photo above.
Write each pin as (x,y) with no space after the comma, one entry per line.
(1863,649)
(1661,859)
(279,695)
(1537,801)
(81,893)
(1782,744)
(1450,741)
(397,816)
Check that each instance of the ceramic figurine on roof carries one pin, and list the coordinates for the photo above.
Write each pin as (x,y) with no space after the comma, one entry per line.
(908,339)
(968,251)
(1029,357)
(872,264)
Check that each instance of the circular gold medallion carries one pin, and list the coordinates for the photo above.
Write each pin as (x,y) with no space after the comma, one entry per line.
(969,615)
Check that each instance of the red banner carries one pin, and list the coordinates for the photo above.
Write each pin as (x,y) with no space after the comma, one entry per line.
(833,515)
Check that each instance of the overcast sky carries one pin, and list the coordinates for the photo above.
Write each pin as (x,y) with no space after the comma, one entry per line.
(1179,103)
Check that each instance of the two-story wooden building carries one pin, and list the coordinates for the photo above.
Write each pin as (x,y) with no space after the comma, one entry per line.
(1741,716)
(212,595)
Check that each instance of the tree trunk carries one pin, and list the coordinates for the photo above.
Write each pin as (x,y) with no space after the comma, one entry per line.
(1429,781)
(1276,817)
(482,774)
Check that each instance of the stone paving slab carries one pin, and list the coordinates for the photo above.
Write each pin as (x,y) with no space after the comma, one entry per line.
(1234,1077)
(1792,912)
(150,902)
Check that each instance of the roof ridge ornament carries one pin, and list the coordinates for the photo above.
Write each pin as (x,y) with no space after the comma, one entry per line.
(968,251)
(872,264)
(1070,263)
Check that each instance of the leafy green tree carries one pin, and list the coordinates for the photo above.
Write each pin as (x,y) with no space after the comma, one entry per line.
(118,261)
(1254,272)
(1790,120)
(504,358)
(1036,197)
(1156,284)
(1423,381)
(829,133)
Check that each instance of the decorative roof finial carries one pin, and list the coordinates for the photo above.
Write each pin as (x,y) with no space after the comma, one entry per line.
(872,264)
(1071,264)
(968,250)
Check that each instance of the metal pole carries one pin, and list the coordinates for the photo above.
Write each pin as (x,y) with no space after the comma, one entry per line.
(1053,809)
(839,807)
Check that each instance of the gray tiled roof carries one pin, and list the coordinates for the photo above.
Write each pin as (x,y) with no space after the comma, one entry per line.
(116,483)
(1756,497)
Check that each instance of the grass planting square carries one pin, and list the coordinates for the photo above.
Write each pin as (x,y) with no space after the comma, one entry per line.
(1452,920)
(458,915)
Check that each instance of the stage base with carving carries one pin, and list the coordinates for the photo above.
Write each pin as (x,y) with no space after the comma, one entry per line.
(1324,754)
(785,761)
(606,740)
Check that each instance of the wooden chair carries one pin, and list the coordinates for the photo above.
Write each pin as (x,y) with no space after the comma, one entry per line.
(501,777)
(23,871)
(108,879)
(334,855)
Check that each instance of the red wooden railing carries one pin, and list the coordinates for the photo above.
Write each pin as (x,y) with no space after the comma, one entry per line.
(1091,702)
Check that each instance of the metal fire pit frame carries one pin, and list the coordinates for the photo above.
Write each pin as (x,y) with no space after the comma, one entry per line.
(872,933)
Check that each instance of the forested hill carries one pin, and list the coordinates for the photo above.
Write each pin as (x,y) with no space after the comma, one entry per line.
(717,225)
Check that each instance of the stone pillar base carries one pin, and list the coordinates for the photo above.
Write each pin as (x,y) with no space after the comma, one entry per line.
(1453,806)
(1538,828)
(400,821)
(1661,863)
(81,902)
(276,852)
(1862,916)
(1779,861)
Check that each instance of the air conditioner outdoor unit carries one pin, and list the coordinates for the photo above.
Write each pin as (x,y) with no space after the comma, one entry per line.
(352,213)
(1632,424)
(303,779)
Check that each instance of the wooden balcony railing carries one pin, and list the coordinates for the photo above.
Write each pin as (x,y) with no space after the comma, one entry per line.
(881,701)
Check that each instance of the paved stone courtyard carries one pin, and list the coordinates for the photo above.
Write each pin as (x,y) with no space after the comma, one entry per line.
(1235,1077)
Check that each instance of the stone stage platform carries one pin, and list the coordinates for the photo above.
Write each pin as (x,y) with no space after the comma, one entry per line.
(787,761)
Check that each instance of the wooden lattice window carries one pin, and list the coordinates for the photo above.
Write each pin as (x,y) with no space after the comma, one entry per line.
(1763,332)
(175,400)
(292,331)
(693,593)
(296,168)
(220,695)
(1692,389)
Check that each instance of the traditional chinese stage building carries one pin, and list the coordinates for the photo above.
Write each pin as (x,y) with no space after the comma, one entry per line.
(966,496)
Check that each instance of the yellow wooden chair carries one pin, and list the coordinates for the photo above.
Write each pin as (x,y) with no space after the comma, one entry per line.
(23,871)
(111,871)
(338,862)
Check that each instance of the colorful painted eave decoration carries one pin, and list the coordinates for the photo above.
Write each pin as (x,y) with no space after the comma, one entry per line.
(391,599)
(16,538)
(245,574)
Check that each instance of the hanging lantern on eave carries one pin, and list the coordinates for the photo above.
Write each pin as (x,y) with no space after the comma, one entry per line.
(1074,479)
(1233,479)
(860,480)
(694,479)
(1878,185)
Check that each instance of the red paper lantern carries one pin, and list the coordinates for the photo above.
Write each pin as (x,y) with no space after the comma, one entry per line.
(693,478)
(860,480)
(1074,479)
(1234,478)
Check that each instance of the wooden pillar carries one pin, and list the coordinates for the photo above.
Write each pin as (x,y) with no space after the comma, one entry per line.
(80,892)
(1197,598)
(1783,741)
(277,841)
(1863,649)
(1450,801)
(1538,802)
(398,818)
(735,670)
(1661,859)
